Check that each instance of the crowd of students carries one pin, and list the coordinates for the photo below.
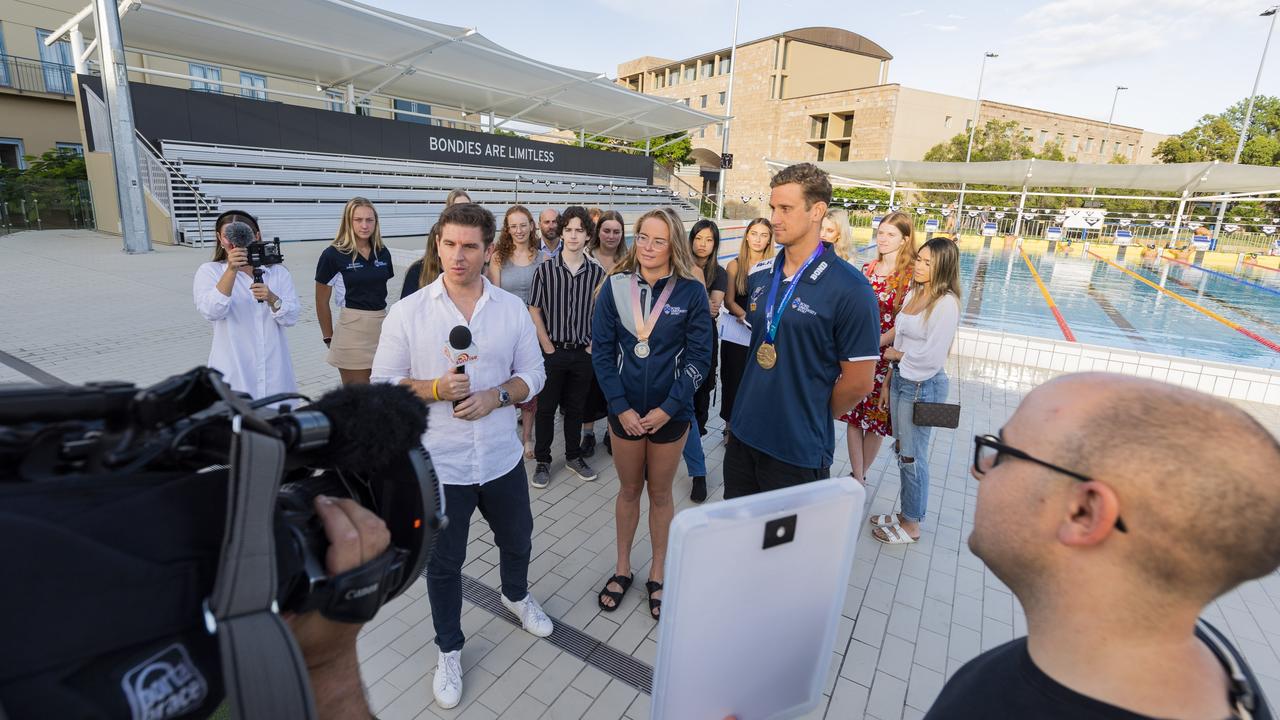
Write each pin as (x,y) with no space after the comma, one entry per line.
(569,315)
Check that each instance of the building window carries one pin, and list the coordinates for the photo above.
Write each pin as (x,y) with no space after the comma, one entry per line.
(846,125)
(707,68)
(337,100)
(1044,136)
(720,130)
(1075,143)
(722,96)
(11,154)
(724,66)
(822,152)
(702,131)
(818,127)
(410,106)
(968,124)
(1088,145)
(844,152)
(686,102)
(253,86)
(674,77)
(76,148)
(690,73)
(364,107)
(702,101)
(947,122)
(782,87)
(56,62)
(210,77)
(786,50)
(4,66)
(1130,149)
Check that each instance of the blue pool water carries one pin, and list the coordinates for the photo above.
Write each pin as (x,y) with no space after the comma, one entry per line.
(1105,306)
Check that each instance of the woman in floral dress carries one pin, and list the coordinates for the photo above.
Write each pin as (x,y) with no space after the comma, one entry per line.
(889,273)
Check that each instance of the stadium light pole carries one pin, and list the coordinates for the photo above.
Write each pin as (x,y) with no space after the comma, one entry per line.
(1106,134)
(728,111)
(973,129)
(1248,113)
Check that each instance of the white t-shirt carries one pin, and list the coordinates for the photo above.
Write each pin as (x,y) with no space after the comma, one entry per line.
(925,343)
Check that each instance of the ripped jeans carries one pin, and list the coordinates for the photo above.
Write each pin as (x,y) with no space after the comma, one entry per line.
(912,446)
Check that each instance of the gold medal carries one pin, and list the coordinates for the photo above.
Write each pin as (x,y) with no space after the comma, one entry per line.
(767,356)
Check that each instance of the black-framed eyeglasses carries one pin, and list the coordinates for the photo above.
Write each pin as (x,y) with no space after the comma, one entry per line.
(987,450)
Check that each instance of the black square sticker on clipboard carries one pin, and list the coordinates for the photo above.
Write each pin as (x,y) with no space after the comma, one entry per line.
(779,532)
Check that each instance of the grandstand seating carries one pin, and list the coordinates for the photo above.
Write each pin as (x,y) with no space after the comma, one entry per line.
(300,195)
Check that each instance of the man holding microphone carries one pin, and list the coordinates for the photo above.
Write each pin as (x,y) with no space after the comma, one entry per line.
(471,429)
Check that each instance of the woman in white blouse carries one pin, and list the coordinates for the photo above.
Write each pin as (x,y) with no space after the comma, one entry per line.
(923,332)
(249,345)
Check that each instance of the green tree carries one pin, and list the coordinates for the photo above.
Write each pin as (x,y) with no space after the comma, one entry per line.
(993,141)
(1215,136)
(672,156)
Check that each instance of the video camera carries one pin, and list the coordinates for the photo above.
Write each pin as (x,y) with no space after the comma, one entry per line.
(144,529)
(261,253)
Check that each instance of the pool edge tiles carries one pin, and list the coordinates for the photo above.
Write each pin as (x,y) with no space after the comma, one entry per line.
(1059,356)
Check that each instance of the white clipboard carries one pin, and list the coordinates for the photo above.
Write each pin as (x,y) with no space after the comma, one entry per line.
(754,590)
(733,330)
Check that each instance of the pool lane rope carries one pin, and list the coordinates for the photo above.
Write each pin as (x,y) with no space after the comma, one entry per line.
(1053,306)
(1232,278)
(1233,325)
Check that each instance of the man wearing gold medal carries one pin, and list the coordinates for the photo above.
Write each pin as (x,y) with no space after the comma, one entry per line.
(815,338)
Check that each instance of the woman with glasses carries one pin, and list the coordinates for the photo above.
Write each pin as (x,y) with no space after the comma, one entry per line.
(515,258)
(923,331)
(651,341)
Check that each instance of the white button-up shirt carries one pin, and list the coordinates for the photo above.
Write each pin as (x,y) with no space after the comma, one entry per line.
(414,342)
(249,344)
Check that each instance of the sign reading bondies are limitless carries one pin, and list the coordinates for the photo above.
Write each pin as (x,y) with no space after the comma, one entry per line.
(490,149)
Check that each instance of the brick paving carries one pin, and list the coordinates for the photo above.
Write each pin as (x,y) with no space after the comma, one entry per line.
(78,308)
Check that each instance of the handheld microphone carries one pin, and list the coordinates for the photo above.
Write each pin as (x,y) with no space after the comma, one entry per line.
(459,350)
(240,235)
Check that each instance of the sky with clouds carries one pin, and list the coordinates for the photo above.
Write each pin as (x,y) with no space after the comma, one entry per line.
(1180,58)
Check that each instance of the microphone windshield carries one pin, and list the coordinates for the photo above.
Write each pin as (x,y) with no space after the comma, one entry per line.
(372,425)
(460,337)
(240,234)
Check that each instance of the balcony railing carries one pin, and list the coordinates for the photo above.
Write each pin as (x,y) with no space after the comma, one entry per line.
(36,76)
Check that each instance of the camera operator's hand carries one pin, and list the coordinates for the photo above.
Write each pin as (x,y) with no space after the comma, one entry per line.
(356,536)
(453,386)
(262,292)
(237,258)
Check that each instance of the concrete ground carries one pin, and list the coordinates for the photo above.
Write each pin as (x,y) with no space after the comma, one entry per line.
(78,309)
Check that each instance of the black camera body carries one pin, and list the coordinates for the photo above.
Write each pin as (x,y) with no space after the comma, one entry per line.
(263,254)
(122,502)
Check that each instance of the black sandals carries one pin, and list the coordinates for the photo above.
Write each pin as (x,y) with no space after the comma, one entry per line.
(654,605)
(622,581)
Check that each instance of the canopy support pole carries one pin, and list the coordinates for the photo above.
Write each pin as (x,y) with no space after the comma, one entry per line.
(1177,223)
(1022,200)
(124,149)
(893,192)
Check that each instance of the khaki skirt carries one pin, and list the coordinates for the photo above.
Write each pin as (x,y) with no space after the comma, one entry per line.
(355,338)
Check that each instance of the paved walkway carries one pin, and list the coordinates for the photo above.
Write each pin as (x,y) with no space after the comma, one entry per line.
(79,309)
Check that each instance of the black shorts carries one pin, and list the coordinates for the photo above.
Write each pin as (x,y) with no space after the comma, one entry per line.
(671,432)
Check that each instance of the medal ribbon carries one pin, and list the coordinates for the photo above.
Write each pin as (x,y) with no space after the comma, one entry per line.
(771,320)
(645,329)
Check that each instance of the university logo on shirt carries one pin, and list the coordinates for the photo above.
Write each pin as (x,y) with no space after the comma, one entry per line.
(674,311)
(802,307)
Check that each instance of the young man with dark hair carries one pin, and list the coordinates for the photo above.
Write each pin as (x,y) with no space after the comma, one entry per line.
(471,426)
(561,300)
(815,340)
(1116,530)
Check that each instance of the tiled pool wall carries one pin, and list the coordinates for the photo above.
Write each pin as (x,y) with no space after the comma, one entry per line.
(1061,357)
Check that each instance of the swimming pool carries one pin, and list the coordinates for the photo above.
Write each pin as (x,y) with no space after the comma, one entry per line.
(1103,300)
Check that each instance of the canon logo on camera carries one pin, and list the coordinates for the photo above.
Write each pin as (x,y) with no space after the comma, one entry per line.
(360,592)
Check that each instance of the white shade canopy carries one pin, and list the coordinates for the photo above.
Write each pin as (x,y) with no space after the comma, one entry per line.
(1204,177)
(335,42)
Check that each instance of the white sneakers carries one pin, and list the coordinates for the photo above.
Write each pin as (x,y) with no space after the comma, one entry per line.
(534,620)
(447,685)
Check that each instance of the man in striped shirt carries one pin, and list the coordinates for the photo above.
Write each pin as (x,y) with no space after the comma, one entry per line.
(561,300)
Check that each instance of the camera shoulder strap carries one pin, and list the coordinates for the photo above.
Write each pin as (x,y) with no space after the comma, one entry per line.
(263,670)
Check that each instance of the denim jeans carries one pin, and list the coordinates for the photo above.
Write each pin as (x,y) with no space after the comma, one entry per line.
(695,460)
(504,503)
(912,446)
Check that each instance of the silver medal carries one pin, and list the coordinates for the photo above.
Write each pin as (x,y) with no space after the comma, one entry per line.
(642,349)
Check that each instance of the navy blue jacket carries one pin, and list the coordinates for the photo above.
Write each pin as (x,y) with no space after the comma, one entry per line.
(679,347)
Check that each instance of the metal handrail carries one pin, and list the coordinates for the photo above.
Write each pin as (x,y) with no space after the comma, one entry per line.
(175,173)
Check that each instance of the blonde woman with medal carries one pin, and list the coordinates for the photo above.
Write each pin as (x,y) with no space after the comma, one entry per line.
(815,340)
(651,339)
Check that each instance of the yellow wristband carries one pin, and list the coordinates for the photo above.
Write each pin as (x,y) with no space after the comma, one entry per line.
(435,389)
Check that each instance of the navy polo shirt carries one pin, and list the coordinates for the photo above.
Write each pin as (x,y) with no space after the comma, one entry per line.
(365,280)
(832,317)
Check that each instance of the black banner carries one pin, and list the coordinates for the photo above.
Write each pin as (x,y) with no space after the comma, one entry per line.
(166,113)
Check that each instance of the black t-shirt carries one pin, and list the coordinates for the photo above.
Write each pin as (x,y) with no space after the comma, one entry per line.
(719,282)
(365,280)
(1005,682)
(412,279)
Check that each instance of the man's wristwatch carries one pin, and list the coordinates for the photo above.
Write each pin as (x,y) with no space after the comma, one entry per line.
(504,397)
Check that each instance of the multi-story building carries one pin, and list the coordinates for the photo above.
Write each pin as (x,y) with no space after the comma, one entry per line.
(823,94)
(37,106)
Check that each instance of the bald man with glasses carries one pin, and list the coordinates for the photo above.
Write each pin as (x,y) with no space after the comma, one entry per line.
(1117,509)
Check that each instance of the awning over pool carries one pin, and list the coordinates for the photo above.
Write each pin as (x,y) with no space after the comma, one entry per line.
(335,42)
(1209,177)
